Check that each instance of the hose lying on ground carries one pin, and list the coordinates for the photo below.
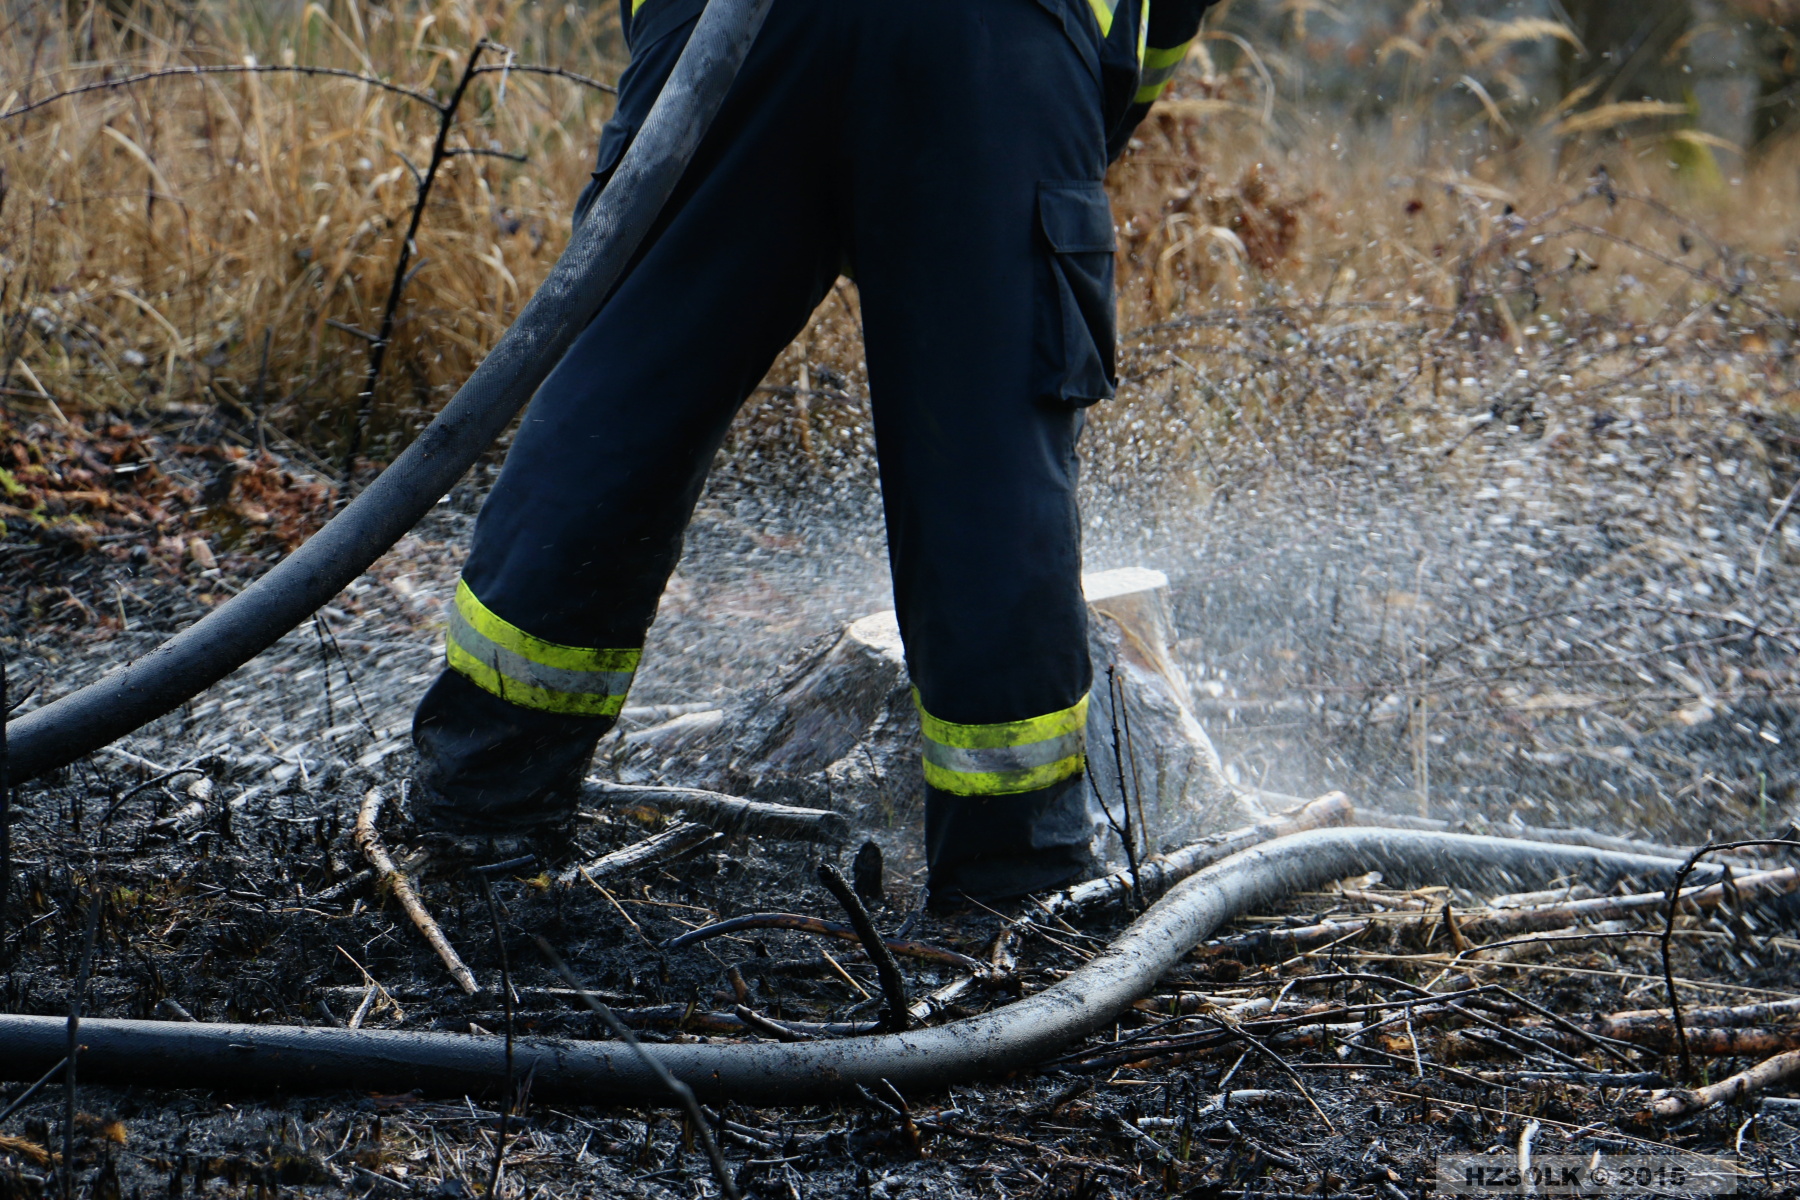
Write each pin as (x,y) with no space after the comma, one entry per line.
(264,1057)
(597,255)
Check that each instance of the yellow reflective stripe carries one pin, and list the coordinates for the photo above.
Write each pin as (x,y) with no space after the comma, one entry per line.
(499,657)
(1159,68)
(635,5)
(1103,12)
(1156,60)
(527,695)
(1003,783)
(1007,757)
(1143,31)
(548,654)
(1006,734)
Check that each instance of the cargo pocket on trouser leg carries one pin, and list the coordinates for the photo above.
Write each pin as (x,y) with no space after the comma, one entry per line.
(1075,324)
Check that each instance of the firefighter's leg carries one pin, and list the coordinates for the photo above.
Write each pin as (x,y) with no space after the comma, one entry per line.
(579,536)
(982,245)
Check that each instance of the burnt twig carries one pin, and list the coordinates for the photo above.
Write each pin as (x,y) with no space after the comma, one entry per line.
(224,69)
(728,814)
(440,154)
(760,1024)
(1668,935)
(1128,835)
(557,72)
(898,1015)
(1257,1044)
(24,1097)
(1137,784)
(391,876)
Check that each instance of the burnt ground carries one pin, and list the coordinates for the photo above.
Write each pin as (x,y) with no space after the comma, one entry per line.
(1585,623)
(241,913)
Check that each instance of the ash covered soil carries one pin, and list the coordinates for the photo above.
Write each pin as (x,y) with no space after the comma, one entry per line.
(1578,618)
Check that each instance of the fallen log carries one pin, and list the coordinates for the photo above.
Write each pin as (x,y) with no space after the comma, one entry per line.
(1680,1102)
(1727,1042)
(1736,1014)
(667,846)
(1093,996)
(731,815)
(1606,908)
(1498,923)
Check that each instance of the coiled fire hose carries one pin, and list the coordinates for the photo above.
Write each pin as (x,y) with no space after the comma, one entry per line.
(269,1057)
(584,275)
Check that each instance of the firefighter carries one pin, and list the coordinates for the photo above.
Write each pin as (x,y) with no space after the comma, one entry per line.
(948,155)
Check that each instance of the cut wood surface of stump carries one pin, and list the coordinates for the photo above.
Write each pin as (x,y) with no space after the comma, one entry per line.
(839,729)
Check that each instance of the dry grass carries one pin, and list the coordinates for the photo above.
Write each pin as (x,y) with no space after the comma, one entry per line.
(214,242)
(193,241)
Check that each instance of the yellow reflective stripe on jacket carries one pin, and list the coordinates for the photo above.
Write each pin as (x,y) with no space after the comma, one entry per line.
(1103,13)
(1159,68)
(501,658)
(1002,759)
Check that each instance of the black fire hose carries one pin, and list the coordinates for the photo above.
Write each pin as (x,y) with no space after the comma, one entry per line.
(265,1057)
(233,634)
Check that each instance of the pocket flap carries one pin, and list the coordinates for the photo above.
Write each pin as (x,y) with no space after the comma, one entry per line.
(615,138)
(1077,218)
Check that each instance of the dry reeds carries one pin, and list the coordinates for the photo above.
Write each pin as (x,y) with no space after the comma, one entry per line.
(225,231)
(229,230)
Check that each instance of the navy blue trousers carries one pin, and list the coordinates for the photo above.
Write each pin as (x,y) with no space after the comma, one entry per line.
(949,155)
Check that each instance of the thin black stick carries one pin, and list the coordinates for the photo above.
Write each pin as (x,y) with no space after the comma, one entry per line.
(681,1091)
(1282,1063)
(75,998)
(506,1000)
(558,72)
(898,1017)
(112,809)
(1130,838)
(1137,784)
(337,648)
(378,348)
(1668,936)
(1607,1046)
(1105,808)
(5,817)
(25,1096)
(223,69)
(324,668)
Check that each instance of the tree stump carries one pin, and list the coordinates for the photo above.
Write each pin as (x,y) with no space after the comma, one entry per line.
(838,729)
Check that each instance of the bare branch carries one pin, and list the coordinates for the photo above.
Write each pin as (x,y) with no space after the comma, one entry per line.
(225,69)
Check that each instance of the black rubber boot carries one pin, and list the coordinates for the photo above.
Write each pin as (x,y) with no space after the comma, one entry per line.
(493,769)
(998,848)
